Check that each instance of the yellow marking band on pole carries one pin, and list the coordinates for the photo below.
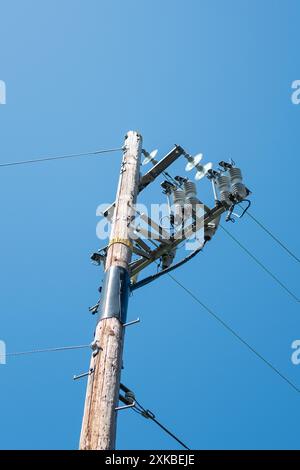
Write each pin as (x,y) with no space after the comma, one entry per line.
(123,241)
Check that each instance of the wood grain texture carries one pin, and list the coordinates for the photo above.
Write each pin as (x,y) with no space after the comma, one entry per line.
(99,421)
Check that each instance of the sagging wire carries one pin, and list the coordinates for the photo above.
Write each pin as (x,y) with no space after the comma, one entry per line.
(153,277)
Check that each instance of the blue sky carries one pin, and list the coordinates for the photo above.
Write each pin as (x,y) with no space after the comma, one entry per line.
(214,77)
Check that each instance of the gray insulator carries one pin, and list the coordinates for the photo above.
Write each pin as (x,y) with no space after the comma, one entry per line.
(224,197)
(237,186)
(178,197)
(189,188)
(223,184)
(239,190)
(190,192)
(235,175)
(192,200)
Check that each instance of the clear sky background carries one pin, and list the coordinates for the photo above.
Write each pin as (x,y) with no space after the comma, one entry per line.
(212,76)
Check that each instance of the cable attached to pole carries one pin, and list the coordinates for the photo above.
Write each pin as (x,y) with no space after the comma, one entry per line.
(131,402)
(149,279)
(36,351)
(149,415)
(61,157)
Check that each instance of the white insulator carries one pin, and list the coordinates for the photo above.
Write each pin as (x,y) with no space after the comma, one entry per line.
(237,186)
(192,161)
(150,157)
(202,170)
(223,185)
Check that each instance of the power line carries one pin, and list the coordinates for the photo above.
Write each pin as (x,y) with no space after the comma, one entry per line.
(60,157)
(275,278)
(149,415)
(180,263)
(211,312)
(35,351)
(280,243)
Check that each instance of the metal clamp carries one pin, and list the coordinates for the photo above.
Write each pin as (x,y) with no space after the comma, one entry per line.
(123,241)
(148,414)
(128,399)
(94,309)
(96,348)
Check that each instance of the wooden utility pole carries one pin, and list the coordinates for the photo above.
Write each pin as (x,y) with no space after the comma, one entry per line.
(99,421)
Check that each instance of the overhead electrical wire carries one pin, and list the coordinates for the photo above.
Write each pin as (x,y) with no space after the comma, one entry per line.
(149,415)
(61,157)
(275,278)
(131,402)
(155,276)
(279,242)
(36,351)
(212,313)
(139,408)
(171,268)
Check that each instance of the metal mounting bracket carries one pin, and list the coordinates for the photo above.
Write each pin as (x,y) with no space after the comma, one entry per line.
(125,407)
(96,348)
(85,374)
(132,322)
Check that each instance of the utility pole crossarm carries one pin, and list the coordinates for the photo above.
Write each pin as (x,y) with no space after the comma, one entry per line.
(99,420)
(153,173)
